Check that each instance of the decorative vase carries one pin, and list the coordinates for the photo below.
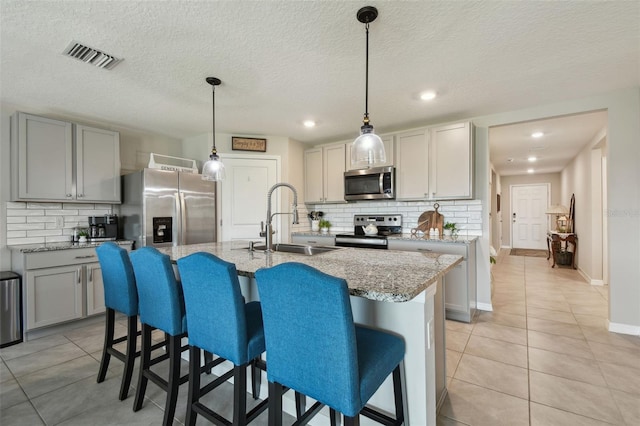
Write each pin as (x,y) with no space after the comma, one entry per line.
(324,230)
(315,225)
(446,232)
(82,239)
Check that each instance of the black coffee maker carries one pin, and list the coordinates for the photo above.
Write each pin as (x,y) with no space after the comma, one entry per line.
(103,228)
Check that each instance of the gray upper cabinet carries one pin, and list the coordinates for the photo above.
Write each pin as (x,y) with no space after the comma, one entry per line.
(97,165)
(51,163)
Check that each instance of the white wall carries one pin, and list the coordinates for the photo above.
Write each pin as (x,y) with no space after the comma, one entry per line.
(577,180)
(556,195)
(623,192)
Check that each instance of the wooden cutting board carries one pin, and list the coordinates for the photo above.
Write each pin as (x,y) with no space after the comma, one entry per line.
(431,219)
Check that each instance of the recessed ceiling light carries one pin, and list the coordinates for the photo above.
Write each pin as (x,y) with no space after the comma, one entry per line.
(532,159)
(428,96)
(537,134)
(309,123)
(530,171)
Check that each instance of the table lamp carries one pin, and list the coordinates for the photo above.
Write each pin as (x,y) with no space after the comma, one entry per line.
(560,213)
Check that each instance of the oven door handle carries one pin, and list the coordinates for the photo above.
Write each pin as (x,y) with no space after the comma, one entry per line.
(363,241)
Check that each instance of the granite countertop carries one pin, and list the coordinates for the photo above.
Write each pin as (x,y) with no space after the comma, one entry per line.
(67,245)
(383,275)
(460,238)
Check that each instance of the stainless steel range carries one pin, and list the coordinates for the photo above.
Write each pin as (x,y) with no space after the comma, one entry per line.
(387,224)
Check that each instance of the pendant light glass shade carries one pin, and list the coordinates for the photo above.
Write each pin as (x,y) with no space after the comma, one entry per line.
(213,169)
(367,150)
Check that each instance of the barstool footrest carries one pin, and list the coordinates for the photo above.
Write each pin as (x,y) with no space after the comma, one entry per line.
(309,414)
(379,417)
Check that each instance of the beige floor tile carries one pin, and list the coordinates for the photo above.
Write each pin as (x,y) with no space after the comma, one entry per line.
(542,415)
(39,360)
(445,421)
(615,354)
(602,335)
(461,327)
(567,366)
(591,321)
(453,358)
(553,327)
(593,310)
(478,406)
(560,344)
(502,318)
(493,375)
(629,406)
(561,306)
(519,308)
(551,315)
(501,332)
(622,378)
(573,396)
(456,341)
(497,350)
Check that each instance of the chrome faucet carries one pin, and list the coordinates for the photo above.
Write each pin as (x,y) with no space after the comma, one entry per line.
(267,232)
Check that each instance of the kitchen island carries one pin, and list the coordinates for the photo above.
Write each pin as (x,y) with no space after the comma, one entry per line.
(400,292)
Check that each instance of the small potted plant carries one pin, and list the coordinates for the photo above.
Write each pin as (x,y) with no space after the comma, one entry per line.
(82,236)
(324,226)
(450,229)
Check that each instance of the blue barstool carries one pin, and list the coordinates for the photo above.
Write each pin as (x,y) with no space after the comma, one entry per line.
(162,307)
(219,321)
(314,347)
(120,295)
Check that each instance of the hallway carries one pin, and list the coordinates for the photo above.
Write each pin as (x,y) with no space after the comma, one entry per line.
(543,356)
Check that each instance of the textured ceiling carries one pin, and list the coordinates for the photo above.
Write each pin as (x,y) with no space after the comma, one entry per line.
(282,62)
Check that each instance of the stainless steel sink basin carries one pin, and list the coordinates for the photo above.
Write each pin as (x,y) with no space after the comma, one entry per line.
(298,249)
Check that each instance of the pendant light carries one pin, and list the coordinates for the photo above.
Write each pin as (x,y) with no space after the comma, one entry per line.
(213,169)
(367,150)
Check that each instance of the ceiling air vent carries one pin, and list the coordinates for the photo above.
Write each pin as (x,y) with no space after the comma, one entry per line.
(91,56)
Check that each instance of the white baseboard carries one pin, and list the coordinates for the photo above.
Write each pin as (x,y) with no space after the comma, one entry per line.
(505,247)
(633,330)
(485,306)
(597,282)
(588,279)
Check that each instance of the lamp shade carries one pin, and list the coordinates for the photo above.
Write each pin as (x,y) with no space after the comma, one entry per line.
(368,149)
(213,169)
(557,209)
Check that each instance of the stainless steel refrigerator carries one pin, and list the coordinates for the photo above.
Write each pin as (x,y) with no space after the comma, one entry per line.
(163,208)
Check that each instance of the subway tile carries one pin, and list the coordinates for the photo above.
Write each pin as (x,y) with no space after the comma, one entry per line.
(25,212)
(41,219)
(60,212)
(16,234)
(44,233)
(21,241)
(16,219)
(52,206)
(24,226)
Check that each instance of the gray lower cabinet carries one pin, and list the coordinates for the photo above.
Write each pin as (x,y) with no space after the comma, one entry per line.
(60,286)
(314,240)
(459,283)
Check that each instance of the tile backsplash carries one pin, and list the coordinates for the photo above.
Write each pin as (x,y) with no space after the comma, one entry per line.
(466,214)
(36,223)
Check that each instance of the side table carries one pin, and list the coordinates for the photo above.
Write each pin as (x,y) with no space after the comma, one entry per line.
(554,244)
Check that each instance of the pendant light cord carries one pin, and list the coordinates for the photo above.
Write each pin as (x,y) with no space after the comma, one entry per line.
(213,116)
(366,79)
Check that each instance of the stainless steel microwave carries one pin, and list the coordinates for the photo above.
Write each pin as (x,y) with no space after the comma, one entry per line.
(377,183)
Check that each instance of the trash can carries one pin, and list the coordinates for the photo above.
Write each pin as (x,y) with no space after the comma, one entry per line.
(10,309)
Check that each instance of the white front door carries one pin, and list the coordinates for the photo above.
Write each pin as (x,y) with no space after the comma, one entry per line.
(529,221)
(243,198)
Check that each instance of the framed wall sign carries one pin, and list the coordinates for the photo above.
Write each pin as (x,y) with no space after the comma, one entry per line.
(248,144)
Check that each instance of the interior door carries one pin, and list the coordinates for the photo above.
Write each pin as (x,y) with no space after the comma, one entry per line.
(528,218)
(244,198)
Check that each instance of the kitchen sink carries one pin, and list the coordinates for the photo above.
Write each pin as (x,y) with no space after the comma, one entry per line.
(298,249)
